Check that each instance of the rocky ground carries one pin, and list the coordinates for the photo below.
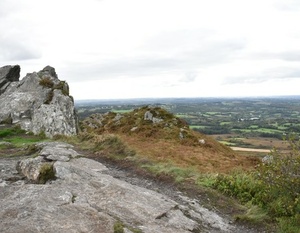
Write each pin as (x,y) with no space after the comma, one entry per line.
(88,196)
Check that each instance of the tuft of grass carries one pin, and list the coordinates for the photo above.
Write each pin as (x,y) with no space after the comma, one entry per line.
(206,180)
(179,174)
(118,227)
(112,146)
(254,214)
(46,82)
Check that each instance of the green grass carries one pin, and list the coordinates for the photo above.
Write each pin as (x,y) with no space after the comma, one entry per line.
(184,116)
(197,126)
(11,131)
(253,127)
(19,141)
(266,130)
(212,113)
(225,123)
(121,110)
(254,214)
(179,174)
(18,137)
(227,143)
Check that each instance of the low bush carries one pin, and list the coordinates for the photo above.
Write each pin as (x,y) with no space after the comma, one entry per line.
(274,187)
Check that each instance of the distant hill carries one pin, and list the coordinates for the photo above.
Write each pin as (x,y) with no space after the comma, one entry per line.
(159,136)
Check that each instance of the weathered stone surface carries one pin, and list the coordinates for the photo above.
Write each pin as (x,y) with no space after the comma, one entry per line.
(8,74)
(40,102)
(85,198)
(148,116)
(55,151)
(32,168)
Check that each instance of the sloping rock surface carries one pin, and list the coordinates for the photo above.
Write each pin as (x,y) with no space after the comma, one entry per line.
(40,102)
(85,198)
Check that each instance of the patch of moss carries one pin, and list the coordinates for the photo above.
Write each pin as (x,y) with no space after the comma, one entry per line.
(46,173)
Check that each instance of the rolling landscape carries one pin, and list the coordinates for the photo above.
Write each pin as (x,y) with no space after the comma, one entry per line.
(145,165)
(251,130)
(257,123)
(150,116)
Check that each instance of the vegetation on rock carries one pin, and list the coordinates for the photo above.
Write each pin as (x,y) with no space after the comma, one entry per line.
(46,82)
(46,173)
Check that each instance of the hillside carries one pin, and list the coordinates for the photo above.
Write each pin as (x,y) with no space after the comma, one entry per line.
(156,135)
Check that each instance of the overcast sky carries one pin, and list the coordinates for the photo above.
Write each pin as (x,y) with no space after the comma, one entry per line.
(157,48)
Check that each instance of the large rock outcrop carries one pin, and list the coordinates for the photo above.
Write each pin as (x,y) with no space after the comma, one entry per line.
(40,102)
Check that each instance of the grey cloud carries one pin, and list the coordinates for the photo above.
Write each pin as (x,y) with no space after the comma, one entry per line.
(189,77)
(287,5)
(276,73)
(284,56)
(163,55)
(290,56)
(17,49)
(120,67)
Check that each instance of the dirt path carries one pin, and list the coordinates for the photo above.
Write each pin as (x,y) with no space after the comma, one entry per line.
(250,149)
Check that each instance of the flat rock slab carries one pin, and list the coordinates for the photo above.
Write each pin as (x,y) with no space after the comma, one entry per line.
(84,198)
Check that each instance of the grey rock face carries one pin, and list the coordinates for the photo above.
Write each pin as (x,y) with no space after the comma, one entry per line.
(40,102)
(148,116)
(85,198)
(8,74)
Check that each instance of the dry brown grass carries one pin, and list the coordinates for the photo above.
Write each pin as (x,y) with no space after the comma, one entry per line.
(169,142)
(203,159)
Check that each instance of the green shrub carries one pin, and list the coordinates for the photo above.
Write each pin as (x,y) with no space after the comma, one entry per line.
(275,187)
(239,185)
